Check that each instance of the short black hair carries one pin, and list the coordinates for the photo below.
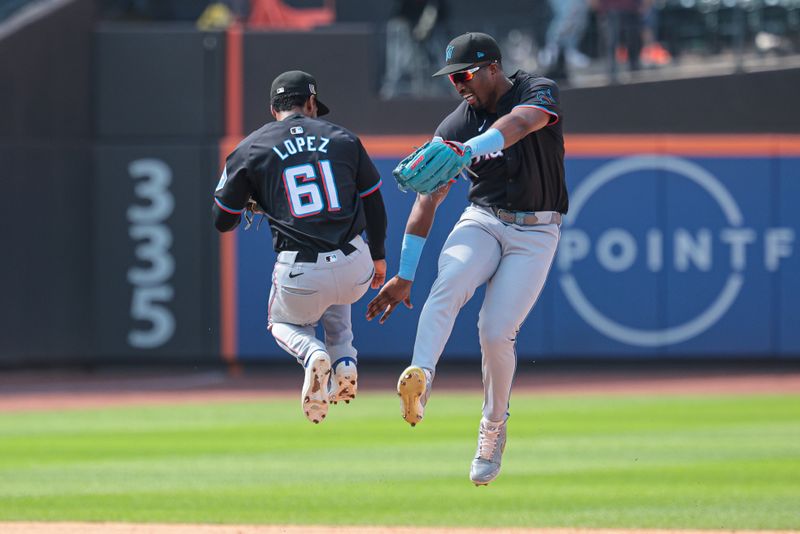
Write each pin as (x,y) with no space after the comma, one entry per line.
(289,102)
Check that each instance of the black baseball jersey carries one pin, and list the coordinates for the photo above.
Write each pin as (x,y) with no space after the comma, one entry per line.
(308,175)
(528,175)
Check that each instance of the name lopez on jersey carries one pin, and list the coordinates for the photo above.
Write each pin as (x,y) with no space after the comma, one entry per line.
(293,145)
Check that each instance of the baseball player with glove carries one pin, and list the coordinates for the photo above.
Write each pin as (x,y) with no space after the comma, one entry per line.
(319,190)
(507,135)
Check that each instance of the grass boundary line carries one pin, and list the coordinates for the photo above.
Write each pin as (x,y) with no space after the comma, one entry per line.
(162,528)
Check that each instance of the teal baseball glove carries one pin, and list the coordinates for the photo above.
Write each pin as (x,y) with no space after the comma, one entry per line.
(432,165)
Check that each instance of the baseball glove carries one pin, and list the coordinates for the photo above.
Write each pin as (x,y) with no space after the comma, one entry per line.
(432,165)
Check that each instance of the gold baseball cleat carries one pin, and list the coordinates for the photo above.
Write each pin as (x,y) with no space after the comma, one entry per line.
(413,387)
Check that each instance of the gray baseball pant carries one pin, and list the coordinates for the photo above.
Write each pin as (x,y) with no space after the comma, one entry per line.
(513,262)
(304,293)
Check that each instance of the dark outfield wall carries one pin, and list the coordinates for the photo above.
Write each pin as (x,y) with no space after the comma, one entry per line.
(45,165)
(158,124)
(345,64)
(736,103)
(110,252)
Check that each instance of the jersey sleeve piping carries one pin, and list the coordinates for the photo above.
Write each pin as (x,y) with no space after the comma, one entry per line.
(225,208)
(371,190)
(553,114)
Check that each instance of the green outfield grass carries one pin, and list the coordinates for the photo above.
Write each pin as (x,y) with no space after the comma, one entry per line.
(718,462)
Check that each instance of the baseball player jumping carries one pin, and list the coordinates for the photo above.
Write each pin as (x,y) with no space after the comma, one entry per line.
(319,190)
(506,238)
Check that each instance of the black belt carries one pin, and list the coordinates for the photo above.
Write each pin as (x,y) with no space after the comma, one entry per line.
(310,256)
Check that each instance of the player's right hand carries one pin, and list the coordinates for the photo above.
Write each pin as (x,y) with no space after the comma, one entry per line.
(395,291)
(380,274)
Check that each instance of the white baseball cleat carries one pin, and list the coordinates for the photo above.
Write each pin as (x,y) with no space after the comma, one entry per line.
(314,398)
(491,444)
(344,380)
(414,389)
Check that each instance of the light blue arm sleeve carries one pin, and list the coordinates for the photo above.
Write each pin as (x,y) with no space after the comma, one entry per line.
(486,143)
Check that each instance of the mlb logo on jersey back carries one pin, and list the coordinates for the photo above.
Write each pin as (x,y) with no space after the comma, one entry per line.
(296,130)
(331,258)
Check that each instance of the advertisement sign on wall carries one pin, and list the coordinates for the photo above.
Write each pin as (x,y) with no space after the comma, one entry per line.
(661,254)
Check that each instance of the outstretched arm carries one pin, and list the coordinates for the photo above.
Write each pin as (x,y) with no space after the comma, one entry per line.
(398,289)
(519,123)
(508,129)
(420,220)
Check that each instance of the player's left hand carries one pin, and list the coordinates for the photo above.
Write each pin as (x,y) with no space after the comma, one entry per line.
(432,165)
(251,209)
(380,274)
(395,291)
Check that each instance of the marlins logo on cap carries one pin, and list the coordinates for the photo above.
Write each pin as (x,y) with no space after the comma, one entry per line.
(469,50)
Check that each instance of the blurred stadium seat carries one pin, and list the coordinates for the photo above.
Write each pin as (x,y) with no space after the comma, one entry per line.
(684,25)
(277,14)
(714,26)
(780,19)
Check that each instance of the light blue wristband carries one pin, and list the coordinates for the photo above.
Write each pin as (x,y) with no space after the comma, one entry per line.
(409,256)
(490,141)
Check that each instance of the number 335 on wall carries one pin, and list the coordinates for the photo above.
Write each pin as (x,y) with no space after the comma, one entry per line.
(150,278)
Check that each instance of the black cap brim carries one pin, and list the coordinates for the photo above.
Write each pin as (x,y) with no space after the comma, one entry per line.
(455,67)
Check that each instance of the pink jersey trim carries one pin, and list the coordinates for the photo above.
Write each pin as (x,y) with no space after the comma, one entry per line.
(541,108)
(223,207)
(371,190)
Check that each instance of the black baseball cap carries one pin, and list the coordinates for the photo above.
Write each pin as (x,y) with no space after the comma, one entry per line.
(468,50)
(296,82)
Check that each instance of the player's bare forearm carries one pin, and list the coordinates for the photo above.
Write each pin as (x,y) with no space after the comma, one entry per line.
(519,123)
(423,212)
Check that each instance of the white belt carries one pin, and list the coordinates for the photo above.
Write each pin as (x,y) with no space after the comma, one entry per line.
(527,218)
